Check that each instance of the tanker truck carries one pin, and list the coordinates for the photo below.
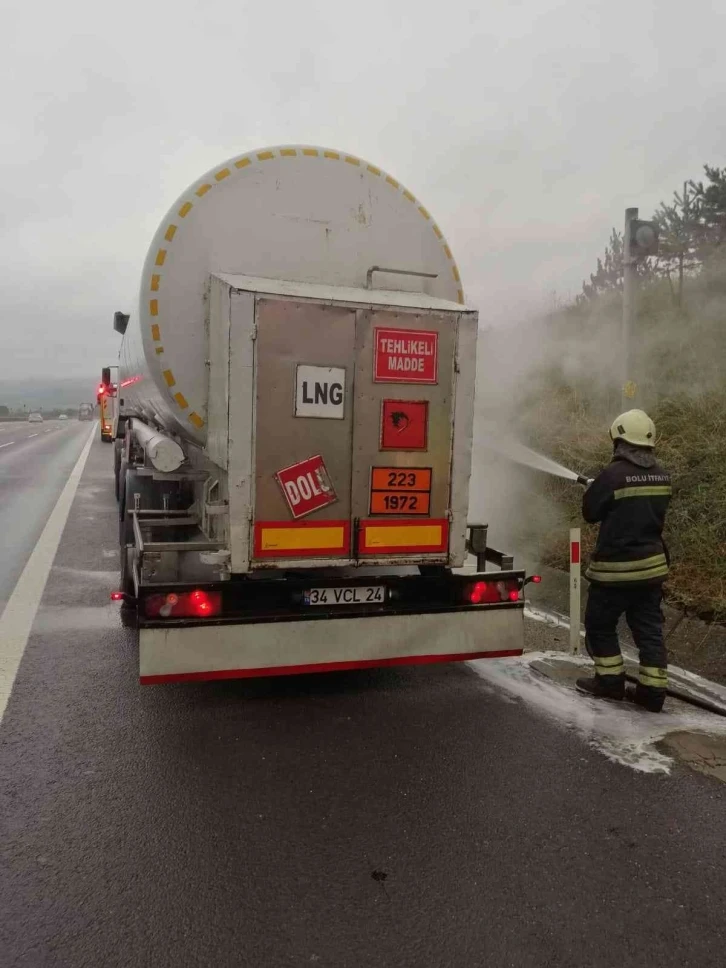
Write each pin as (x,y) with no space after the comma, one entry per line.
(294,433)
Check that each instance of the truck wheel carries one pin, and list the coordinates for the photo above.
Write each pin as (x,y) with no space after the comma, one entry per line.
(121,498)
(126,581)
(117,454)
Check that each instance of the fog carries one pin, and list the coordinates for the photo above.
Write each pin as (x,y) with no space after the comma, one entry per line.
(525,127)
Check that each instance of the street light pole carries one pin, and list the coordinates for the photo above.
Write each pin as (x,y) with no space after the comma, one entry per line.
(630,288)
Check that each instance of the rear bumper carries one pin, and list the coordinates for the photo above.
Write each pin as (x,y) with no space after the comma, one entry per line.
(188,653)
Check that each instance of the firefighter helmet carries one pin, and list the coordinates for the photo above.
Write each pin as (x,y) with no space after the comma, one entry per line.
(635,427)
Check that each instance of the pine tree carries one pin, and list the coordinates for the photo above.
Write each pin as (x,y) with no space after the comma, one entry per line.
(678,225)
(712,211)
(609,274)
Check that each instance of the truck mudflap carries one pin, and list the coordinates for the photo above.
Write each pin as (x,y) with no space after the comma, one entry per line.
(180,653)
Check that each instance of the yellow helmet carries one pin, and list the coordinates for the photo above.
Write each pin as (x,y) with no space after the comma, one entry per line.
(634,426)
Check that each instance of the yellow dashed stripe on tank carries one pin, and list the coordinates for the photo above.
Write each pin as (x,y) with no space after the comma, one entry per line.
(245,162)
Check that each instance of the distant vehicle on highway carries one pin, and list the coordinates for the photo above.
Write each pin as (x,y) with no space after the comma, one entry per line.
(62,416)
(85,412)
(35,418)
(107,398)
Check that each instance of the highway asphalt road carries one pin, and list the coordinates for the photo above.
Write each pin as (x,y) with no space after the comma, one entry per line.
(35,460)
(409,818)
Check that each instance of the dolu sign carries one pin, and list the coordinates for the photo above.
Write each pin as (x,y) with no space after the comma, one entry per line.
(306,486)
(405,356)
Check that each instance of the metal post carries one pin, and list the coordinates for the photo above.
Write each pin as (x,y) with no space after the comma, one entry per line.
(574,591)
(630,287)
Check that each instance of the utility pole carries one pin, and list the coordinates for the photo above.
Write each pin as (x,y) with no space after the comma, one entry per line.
(640,240)
(630,284)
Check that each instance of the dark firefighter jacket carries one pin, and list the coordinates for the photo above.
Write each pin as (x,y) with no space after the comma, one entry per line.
(629,498)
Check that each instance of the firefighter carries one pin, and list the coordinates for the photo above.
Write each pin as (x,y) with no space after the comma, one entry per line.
(629,500)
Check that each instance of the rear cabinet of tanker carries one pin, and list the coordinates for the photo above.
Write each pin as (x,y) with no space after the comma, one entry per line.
(307,509)
(350,454)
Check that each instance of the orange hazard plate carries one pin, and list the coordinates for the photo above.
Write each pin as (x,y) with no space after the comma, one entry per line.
(400,502)
(401,479)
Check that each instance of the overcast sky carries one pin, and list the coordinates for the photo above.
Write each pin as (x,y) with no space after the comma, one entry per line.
(525,126)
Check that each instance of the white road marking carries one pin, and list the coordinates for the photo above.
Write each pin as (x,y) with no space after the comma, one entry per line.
(46,431)
(31,435)
(16,621)
(8,443)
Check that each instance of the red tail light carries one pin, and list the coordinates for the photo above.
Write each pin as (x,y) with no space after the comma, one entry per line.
(491,592)
(482,592)
(196,604)
(117,596)
(202,603)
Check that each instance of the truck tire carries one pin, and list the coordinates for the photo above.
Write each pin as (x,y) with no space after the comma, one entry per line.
(126,580)
(117,457)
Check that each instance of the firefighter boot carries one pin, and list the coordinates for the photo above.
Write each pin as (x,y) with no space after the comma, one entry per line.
(603,687)
(649,697)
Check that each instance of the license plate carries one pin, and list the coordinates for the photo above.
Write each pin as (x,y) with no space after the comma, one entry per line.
(357,595)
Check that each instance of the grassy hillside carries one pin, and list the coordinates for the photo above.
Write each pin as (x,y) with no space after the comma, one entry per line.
(680,369)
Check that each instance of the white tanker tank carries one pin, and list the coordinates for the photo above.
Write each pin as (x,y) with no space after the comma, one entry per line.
(297,397)
(294,213)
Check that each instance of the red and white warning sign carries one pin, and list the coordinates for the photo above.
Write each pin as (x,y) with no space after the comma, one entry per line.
(306,486)
(405,356)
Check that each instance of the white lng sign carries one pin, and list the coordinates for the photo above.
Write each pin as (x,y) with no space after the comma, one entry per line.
(320,392)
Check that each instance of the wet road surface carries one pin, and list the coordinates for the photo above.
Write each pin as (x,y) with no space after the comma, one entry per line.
(408,817)
(35,460)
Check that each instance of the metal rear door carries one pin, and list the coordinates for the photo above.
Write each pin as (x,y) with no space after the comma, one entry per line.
(402,434)
(305,355)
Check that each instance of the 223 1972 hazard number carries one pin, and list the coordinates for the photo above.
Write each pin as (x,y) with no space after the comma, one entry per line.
(400,490)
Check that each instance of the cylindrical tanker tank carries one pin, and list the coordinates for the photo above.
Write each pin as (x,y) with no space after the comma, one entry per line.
(298,213)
